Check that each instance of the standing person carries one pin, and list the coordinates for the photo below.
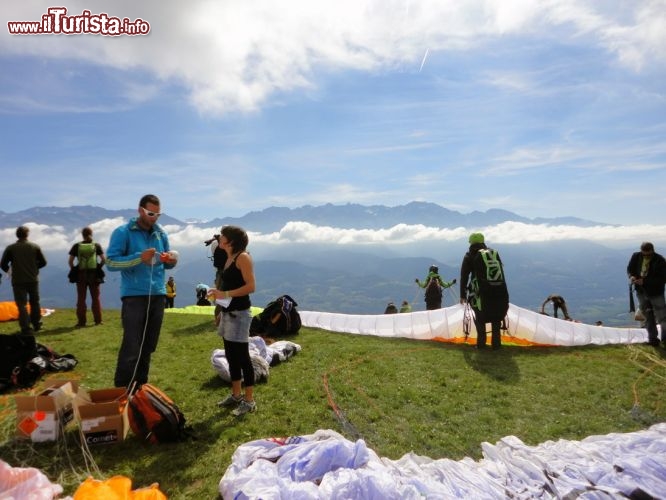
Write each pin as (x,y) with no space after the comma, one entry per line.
(140,251)
(434,284)
(233,295)
(391,309)
(405,307)
(170,292)
(202,294)
(219,258)
(88,255)
(488,296)
(26,259)
(647,272)
(558,303)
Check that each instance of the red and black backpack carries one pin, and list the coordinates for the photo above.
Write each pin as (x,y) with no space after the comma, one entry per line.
(154,417)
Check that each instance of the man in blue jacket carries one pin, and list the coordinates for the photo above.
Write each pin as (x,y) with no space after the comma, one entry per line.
(140,251)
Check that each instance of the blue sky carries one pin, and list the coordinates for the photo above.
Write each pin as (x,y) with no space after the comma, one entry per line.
(543,108)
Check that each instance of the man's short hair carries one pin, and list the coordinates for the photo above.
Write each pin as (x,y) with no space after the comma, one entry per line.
(86,232)
(646,246)
(22,232)
(149,198)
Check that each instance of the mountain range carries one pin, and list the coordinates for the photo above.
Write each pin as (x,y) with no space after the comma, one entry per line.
(360,279)
(349,216)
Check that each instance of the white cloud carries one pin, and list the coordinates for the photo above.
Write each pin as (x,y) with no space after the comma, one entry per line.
(508,233)
(191,237)
(637,44)
(237,55)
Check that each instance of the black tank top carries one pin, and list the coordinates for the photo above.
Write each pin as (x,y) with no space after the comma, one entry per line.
(232,278)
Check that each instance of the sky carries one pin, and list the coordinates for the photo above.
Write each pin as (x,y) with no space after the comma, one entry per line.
(544,108)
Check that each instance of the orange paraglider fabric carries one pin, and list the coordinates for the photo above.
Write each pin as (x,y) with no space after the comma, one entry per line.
(9,311)
(116,488)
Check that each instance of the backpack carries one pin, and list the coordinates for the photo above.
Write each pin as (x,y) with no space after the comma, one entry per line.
(16,368)
(154,417)
(279,318)
(491,295)
(433,290)
(87,256)
(391,309)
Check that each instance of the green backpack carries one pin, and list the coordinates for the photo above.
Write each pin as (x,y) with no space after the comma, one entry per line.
(489,285)
(87,256)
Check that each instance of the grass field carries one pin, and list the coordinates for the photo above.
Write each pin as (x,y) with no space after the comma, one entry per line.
(399,395)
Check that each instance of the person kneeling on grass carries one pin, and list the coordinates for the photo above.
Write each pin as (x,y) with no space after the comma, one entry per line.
(235,318)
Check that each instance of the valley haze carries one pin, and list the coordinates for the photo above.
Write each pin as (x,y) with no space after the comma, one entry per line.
(354,259)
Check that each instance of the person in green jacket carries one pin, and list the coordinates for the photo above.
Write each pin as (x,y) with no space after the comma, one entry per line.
(434,284)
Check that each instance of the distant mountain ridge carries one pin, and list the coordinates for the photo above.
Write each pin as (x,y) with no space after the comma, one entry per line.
(348,216)
(359,279)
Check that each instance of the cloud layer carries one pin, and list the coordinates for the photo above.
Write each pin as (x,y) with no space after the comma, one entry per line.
(190,237)
(237,55)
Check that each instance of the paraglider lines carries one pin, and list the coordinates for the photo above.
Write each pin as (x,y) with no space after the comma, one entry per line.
(636,412)
(346,424)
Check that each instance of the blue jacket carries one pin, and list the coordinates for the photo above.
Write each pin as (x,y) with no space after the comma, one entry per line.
(124,255)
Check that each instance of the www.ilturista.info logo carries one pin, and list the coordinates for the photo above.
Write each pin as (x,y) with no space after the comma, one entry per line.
(57,22)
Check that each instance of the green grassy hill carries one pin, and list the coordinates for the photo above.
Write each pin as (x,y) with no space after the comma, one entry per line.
(399,395)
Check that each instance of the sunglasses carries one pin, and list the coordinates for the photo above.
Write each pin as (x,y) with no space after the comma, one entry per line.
(151,214)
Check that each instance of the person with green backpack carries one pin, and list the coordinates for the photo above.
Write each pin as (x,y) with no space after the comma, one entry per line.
(89,257)
(434,284)
(483,286)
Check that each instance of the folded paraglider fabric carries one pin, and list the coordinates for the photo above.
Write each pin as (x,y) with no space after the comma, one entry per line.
(326,465)
(26,482)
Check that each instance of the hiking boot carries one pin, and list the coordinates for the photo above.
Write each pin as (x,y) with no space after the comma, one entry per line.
(244,407)
(230,401)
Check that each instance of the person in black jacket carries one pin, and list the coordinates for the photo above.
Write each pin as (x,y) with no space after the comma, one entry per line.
(25,259)
(487,309)
(647,272)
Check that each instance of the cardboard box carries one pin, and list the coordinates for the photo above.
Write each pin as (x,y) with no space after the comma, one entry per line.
(102,415)
(43,417)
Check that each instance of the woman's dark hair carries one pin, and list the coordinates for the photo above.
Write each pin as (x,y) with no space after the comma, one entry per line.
(236,236)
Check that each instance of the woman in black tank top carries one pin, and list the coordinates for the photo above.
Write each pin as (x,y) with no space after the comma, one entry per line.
(233,297)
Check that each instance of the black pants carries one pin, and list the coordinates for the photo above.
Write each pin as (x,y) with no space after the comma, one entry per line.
(25,293)
(480,324)
(142,322)
(433,304)
(240,362)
